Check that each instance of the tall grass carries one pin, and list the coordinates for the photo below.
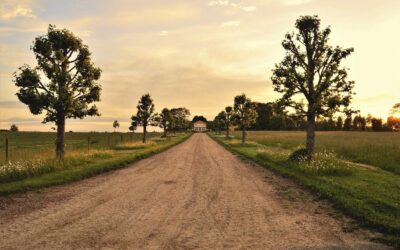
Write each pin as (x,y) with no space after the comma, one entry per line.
(32,153)
(380,149)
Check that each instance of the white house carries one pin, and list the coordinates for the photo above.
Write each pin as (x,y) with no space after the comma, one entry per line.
(199,126)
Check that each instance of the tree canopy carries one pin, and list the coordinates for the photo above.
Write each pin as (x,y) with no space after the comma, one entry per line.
(64,84)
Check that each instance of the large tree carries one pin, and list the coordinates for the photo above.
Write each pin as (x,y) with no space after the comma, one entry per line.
(145,115)
(312,69)
(64,82)
(245,113)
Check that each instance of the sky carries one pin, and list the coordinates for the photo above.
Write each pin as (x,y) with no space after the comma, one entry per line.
(198,54)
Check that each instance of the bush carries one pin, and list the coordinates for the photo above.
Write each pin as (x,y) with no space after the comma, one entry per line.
(299,155)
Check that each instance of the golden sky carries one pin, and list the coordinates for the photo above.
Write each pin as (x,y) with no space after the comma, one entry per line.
(198,54)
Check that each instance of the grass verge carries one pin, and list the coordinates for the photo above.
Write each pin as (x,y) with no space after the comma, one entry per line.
(369,195)
(90,168)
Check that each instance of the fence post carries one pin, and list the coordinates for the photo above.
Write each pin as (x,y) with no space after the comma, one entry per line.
(88,143)
(6,148)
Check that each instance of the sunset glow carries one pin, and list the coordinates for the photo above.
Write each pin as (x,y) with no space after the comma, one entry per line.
(198,54)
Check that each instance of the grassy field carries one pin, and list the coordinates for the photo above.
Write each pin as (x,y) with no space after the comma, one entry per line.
(378,149)
(33,164)
(369,194)
(28,145)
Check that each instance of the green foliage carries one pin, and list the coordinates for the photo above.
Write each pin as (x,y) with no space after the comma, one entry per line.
(72,78)
(245,111)
(14,128)
(115,124)
(179,119)
(145,115)
(71,87)
(312,68)
(299,155)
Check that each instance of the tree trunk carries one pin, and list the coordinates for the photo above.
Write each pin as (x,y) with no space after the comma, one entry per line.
(60,141)
(243,135)
(227,131)
(310,135)
(165,132)
(144,133)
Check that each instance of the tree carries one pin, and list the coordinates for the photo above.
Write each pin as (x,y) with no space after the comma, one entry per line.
(219,123)
(377,124)
(347,123)
(245,114)
(339,123)
(228,116)
(199,118)
(145,114)
(311,68)
(72,81)
(115,125)
(133,127)
(179,119)
(14,128)
(393,123)
(164,119)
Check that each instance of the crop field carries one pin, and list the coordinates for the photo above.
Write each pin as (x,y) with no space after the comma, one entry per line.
(379,149)
(369,192)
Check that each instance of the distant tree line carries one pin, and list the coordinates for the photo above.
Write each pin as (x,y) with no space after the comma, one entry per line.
(271,117)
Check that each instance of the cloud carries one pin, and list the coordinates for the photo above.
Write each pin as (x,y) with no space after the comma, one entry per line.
(230,24)
(163,33)
(247,8)
(296,2)
(11,9)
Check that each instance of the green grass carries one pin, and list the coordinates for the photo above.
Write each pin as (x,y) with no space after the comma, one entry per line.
(28,145)
(369,195)
(380,149)
(80,165)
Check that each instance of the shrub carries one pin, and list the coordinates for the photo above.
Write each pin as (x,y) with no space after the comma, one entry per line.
(299,155)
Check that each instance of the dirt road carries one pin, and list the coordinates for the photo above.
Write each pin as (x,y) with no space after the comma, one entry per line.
(195,195)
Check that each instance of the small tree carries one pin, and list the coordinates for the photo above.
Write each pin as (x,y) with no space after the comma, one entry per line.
(72,81)
(339,123)
(133,127)
(145,114)
(311,68)
(14,128)
(115,125)
(219,122)
(179,119)
(245,114)
(228,119)
(164,119)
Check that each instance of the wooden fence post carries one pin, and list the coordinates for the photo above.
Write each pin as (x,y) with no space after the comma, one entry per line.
(6,148)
